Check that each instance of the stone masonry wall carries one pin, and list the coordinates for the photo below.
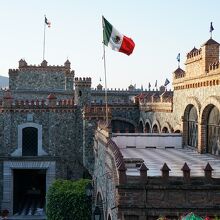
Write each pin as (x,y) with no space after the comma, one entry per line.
(61,137)
(105,179)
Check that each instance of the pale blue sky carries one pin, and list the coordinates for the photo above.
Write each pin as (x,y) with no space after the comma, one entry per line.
(160,29)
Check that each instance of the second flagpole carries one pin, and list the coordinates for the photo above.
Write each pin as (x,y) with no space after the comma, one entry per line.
(44,37)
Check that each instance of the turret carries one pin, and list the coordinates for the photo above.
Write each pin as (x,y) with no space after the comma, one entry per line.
(69,76)
(22,63)
(199,60)
(67,64)
(44,63)
(210,52)
(82,91)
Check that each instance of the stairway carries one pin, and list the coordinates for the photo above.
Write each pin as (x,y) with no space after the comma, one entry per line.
(30,208)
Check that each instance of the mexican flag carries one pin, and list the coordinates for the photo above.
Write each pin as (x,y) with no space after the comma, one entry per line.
(116,40)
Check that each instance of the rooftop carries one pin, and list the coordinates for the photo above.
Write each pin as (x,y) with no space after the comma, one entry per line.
(157,149)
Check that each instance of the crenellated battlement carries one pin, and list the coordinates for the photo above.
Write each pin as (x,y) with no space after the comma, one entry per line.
(143,177)
(194,53)
(85,81)
(13,72)
(157,102)
(19,105)
(43,67)
(214,66)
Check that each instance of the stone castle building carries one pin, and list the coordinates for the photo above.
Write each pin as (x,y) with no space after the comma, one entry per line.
(143,175)
(48,121)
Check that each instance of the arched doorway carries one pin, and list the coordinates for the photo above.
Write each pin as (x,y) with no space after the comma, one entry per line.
(99,203)
(147,128)
(155,129)
(122,126)
(140,127)
(109,217)
(213,132)
(165,130)
(192,122)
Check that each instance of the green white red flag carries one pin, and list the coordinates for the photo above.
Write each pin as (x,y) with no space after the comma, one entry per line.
(116,40)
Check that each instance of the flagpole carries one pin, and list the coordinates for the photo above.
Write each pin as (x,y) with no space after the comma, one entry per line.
(104,60)
(44,38)
(106,96)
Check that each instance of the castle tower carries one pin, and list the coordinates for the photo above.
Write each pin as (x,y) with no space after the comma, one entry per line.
(82,91)
(199,60)
(210,53)
(69,76)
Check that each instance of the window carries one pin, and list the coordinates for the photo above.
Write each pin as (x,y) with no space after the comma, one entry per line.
(29,141)
(213,132)
(193,127)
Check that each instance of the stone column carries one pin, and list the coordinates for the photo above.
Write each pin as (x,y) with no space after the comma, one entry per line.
(202,137)
(185,131)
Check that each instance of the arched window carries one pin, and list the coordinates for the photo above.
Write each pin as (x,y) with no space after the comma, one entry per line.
(213,132)
(193,127)
(165,130)
(29,141)
(141,127)
(147,128)
(122,126)
(155,129)
(99,203)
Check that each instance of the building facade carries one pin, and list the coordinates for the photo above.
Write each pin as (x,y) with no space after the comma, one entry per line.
(48,121)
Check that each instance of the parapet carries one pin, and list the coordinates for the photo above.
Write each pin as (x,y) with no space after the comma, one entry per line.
(194,52)
(43,67)
(179,73)
(13,72)
(8,104)
(194,55)
(214,66)
(165,177)
(157,101)
(85,81)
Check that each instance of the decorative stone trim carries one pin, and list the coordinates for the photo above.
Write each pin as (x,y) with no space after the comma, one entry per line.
(214,82)
(9,166)
(18,151)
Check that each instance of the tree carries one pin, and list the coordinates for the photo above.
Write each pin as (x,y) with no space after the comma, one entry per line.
(67,200)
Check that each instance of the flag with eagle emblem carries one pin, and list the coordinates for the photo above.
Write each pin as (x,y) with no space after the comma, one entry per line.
(116,40)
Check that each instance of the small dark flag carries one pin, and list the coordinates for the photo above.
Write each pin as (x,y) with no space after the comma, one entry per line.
(166,82)
(178,57)
(156,84)
(211,28)
(48,23)
(149,85)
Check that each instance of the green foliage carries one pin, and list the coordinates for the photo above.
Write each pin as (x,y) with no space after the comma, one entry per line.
(66,200)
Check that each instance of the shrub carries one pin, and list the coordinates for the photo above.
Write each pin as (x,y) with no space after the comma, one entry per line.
(66,200)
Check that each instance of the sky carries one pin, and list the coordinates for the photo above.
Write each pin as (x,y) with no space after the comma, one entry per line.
(160,29)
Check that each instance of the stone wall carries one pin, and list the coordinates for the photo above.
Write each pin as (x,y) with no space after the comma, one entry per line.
(171,198)
(61,137)
(105,177)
